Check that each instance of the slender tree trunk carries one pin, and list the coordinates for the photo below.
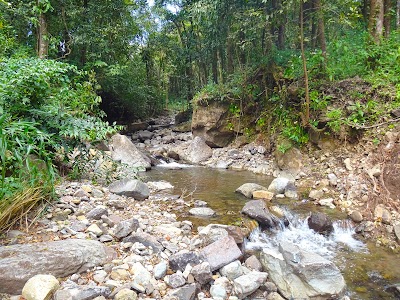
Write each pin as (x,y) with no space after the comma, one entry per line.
(242,53)
(281,36)
(215,66)
(398,15)
(376,17)
(387,16)
(42,37)
(306,112)
(321,30)
(229,56)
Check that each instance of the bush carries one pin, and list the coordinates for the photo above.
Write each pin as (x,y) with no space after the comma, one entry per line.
(44,106)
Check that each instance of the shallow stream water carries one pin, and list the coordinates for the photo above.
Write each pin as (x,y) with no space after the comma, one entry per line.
(369,271)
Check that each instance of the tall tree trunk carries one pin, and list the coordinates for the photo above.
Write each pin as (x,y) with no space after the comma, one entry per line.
(242,53)
(306,113)
(321,30)
(376,17)
(281,35)
(215,65)
(398,15)
(83,57)
(387,16)
(42,37)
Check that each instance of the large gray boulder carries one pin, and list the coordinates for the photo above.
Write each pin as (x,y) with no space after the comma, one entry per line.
(19,263)
(320,223)
(247,189)
(210,121)
(299,274)
(257,210)
(130,188)
(123,150)
(221,252)
(198,151)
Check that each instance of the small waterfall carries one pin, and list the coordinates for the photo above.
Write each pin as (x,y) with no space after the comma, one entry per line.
(298,233)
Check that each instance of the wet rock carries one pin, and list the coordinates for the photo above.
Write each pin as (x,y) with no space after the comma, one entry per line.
(202,212)
(320,223)
(221,252)
(249,283)
(291,191)
(179,260)
(172,154)
(247,189)
(267,195)
(125,228)
(160,185)
(356,216)
(198,151)
(299,274)
(382,214)
(316,194)
(327,202)
(145,135)
(213,232)
(97,212)
(18,263)
(278,185)
(125,294)
(257,210)
(232,270)
(40,287)
(145,239)
(160,270)
(202,273)
(123,150)
(253,263)
(187,292)
(130,188)
(175,280)
(200,203)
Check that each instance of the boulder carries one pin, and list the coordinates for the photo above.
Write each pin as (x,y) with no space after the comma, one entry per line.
(278,185)
(320,223)
(123,150)
(232,270)
(202,212)
(356,216)
(292,160)
(209,121)
(397,231)
(81,292)
(213,232)
(40,287)
(299,274)
(125,294)
(145,239)
(218,291)
(141,275)
(202,273)
(175,280)
(221,252)
(248,189)
(179,260)
(291,191)
(253,263)
(257,210)
(198,151)
(249,283)
(187,292)
(19,263)
(97,212)
(145,135)
(124,228)
(130,188)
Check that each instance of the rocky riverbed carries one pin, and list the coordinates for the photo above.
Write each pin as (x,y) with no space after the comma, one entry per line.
(123,240)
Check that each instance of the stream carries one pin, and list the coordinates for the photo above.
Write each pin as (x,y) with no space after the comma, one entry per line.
(369,271)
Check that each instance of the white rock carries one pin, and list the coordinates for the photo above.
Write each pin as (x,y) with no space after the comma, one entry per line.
(125,294)
(40,287)
(218,291)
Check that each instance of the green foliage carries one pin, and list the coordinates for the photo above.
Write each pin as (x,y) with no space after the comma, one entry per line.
(25,156)
(335,119)
(57,96)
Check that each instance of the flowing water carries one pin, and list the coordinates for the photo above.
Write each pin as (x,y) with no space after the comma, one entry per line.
(369,271)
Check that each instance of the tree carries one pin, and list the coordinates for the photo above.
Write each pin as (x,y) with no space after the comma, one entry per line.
(376,20)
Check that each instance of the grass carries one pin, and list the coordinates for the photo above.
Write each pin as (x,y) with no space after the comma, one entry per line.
(21,208)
